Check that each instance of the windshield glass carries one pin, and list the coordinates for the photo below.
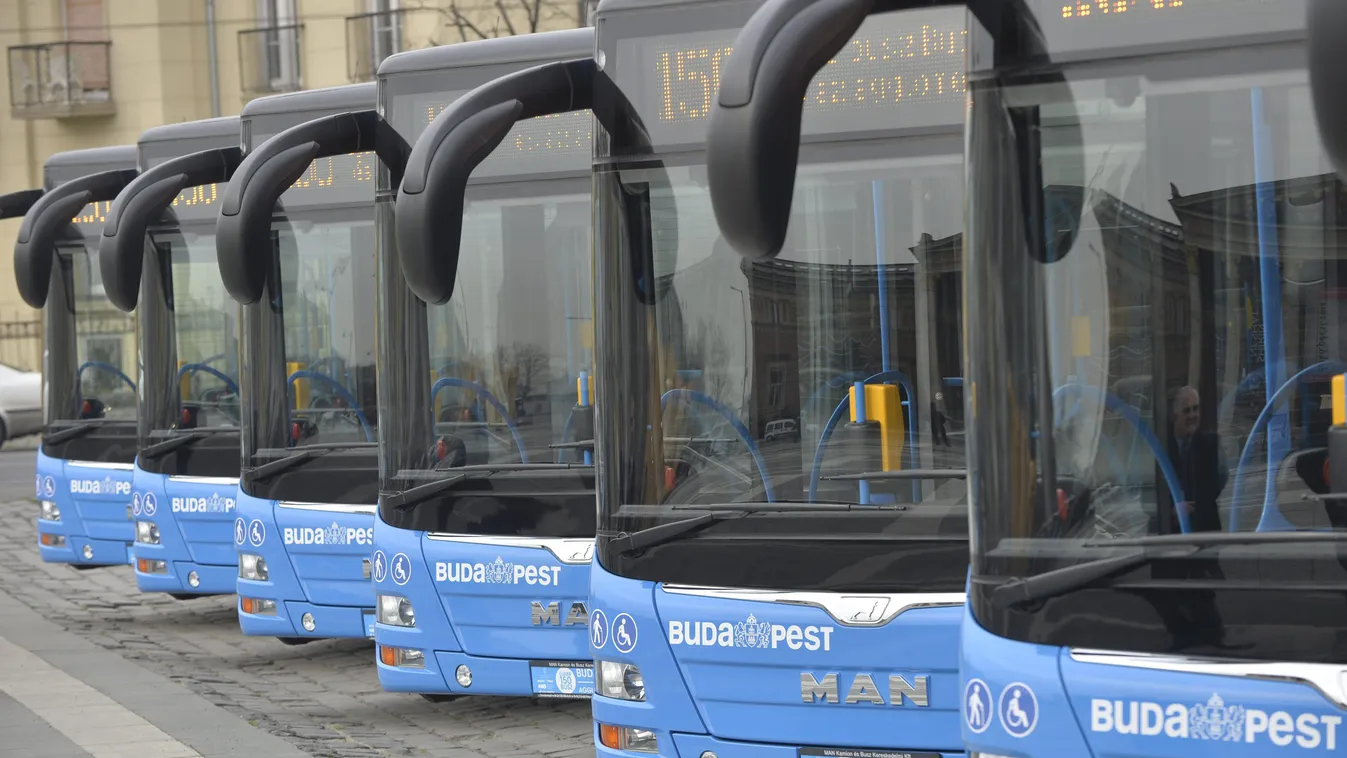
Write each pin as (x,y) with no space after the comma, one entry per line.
(326,309)
(725,381)
(749,362)
(206,329)
(508,348)
(490,379)
(1180,353)
(105,343)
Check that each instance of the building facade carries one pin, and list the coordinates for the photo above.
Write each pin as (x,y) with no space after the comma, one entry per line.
(87,73)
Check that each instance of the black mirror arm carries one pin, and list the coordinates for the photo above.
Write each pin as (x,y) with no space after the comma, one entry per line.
(429,216)
(47,220)
(17,204)
(243,229)
(753,142)
(1326,23)
(122,247)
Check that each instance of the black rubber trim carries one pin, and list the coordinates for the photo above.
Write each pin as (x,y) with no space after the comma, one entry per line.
(121,249)
(429,217)
(243,229)
(46,222)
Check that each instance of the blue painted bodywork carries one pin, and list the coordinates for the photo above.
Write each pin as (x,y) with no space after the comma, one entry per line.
(1111,711)
(485,622)
(317,563)
(195,517)
(95,504)
(741,696)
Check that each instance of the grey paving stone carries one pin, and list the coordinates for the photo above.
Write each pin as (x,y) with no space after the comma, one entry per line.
(322,699)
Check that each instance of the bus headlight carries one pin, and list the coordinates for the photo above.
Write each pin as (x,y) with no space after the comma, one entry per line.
(147,533)
(628,738)
(396,611)
(257,606)
(402,657)
(621,681)
(50,512)
(252,567)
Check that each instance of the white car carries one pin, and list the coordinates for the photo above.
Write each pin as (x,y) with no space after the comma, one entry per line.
(20,402)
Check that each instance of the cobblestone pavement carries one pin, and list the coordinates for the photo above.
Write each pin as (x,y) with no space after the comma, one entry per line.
(323,698)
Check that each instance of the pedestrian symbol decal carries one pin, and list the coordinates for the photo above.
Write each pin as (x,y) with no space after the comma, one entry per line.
(257,533)
(135,503)
(240,531)
(977,703)
(624,633)
(1018,710)
(380,565)
(401,569)
(598,629)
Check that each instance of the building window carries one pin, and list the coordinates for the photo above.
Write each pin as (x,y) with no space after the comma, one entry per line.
(280,51)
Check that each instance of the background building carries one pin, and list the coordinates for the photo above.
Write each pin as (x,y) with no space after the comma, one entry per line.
(87,73)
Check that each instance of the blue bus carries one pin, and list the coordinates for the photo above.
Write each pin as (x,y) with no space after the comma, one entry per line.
(486,510)
(84,467)
(297,252)
(781,553)
(157,257)
(1123,156)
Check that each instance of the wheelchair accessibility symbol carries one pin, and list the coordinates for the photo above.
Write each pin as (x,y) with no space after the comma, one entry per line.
(624,633)
(977,704)
(598,629)
(1018,709)
(401,569)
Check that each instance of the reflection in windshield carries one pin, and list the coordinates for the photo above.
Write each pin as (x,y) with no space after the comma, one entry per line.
(327,275)
(508,349)
(1196,319)
(1180,354)
(205,322)
(104,343)
(752,365)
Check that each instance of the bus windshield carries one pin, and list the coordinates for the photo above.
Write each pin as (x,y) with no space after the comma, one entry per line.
(326,273)
(104,342)
(1170,371)
(724,423)
(489,379)
(506,351)
(205,325)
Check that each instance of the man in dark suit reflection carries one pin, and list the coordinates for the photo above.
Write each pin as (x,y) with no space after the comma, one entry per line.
(1190,614)
(1196,455)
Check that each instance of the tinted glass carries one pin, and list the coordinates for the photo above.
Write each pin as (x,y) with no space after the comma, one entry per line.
(491,376)
(1180,353)
(206,326)
(725,382)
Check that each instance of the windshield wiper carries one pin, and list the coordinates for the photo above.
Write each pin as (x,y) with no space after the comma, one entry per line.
(159,449)
(73,432)
(1153,547)
(299,455)
(284,464)
(410,497)
(717,512)
(915,473)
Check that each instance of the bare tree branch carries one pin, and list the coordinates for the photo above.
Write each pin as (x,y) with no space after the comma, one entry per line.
(504,16)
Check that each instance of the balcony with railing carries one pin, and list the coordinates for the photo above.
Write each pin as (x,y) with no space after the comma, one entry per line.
(371,37)
(269,59)
(60,80)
